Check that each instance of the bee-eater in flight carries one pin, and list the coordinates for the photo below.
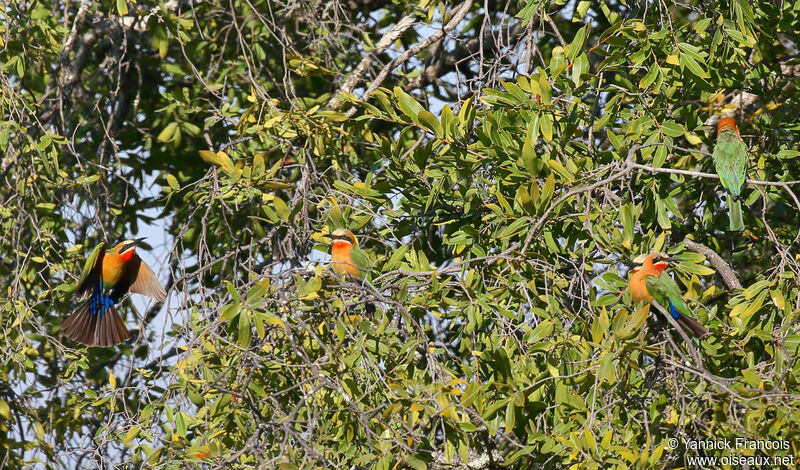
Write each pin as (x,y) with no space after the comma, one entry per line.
(650,281)
(107,277)
(730,160)
(347,257)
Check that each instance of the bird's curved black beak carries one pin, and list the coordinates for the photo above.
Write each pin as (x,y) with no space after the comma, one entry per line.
(130,245)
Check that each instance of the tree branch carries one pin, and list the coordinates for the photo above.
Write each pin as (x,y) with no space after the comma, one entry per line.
(448,62)
(358,73)
(458,15)
(724,270)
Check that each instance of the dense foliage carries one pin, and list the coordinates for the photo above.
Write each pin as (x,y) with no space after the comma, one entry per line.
(501,162)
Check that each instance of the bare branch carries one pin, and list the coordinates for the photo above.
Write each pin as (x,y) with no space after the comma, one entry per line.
(724,270)
(456,16)
(358,73)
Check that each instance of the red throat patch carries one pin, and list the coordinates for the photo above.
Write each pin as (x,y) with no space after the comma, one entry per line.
(660,266)
(341,244)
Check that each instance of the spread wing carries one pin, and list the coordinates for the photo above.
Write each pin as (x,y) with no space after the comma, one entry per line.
(139,279)
(92,271)
(146,282)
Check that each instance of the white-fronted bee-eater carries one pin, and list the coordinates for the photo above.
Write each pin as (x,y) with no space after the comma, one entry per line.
(106,278)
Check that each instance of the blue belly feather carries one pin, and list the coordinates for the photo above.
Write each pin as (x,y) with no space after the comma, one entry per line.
(100,302)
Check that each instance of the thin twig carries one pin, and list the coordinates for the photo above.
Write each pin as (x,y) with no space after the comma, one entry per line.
(358,73)
(458,15)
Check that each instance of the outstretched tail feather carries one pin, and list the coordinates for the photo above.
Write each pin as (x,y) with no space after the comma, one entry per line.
(106,329)
(691,326)
(735,214)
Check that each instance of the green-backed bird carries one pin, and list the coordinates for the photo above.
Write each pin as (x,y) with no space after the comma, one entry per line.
(730,160)
(347,257)
(106,278)
(650,281)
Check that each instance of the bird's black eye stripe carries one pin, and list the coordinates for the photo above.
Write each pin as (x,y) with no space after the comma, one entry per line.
(127,247)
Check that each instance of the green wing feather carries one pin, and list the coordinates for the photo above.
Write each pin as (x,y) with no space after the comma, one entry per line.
(667,293)
(363,262)
(91,270)
(360,259)
(730,161)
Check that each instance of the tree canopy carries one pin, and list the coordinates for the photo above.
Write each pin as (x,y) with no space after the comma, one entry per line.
(500,162)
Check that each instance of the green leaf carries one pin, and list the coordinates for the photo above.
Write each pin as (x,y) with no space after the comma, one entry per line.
(662,216)
(173,182)
(281,208)
(408,105)
(755,288)
(548,190)
(544,85)
(792,344)
(5,410)
(579,68)
(606,371)
(244,329)
(580,10)
(429,121)
(167,133)
(529,158)
(672,128)
(542,331)
(415,462)
(626,217)
(751,377)
(698,269)
(546,127)
(701,25)
(87,179)
(220,159)
(576,46)
(180,424)
(693,66)
(649,77)
(511,416)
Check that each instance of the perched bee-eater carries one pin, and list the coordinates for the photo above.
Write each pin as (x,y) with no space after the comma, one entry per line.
(730,160)
(107,277)
(650,281)
(346,256)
